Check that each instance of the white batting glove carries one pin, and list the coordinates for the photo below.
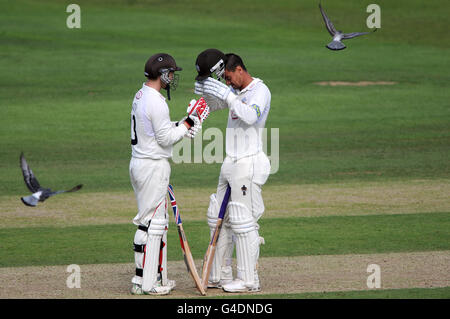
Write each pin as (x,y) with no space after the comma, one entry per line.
(194,129)
(198,87)
(216,88)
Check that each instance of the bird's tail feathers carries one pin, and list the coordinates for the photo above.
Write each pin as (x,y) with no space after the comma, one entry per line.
(336,45)
(30,200)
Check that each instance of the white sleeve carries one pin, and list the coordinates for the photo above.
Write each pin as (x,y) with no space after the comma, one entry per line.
(251,111)
(214,103)
(166,133)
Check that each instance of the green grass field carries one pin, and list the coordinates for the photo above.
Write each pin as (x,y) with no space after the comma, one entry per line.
(332,235)
(417,293)
(65,100)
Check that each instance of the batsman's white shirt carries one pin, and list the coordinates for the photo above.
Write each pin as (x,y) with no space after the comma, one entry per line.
(152,132)
(246,165)
(246,120)
(152,139)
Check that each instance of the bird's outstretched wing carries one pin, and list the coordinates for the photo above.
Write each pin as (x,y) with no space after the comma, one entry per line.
(330,27)
(67,191)
(355,34)
(28,176)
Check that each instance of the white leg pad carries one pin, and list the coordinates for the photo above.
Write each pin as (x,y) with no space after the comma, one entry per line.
(221,266)
(140,239)
(213,212)
(245,231)
(156,231)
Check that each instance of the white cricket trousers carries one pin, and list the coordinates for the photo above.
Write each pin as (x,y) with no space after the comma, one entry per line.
(150,179)
(246,177)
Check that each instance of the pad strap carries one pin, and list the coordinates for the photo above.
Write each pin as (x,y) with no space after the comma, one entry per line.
(139,248)
(143,228)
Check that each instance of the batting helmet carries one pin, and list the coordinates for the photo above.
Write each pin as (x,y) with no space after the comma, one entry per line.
(159,64)
(208,62)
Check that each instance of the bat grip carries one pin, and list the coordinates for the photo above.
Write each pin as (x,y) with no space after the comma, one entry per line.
(226,198)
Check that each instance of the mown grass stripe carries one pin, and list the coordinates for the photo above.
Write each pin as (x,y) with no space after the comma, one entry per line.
(284,237)
(411,293)
(356,234)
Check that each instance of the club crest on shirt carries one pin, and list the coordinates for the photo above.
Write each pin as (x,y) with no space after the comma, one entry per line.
(233,115)
(257,110)
(138,94)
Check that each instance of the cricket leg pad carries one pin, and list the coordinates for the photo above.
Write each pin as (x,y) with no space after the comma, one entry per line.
(245,230)
(152,254)
(221,271)
(140,241)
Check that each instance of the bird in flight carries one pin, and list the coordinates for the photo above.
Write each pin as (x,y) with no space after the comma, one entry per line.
(338,36)
(40,194)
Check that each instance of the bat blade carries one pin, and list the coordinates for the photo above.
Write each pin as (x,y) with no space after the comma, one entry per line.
(210,252)
(187,255)
(189,260)
(209,255)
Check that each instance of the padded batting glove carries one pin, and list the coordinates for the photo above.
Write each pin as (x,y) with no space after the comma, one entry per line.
(196,126)
(216,88)
(198,87)
(198,108)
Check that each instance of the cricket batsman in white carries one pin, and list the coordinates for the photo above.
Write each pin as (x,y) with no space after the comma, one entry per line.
(246,167)
(152,137)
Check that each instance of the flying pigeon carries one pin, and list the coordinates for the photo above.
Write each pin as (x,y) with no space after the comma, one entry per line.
(40,194)
(336,44)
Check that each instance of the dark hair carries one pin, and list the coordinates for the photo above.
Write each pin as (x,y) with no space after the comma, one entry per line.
(232,61)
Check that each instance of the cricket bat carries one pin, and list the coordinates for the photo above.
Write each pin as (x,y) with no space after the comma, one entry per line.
(188,259)
(209,255)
